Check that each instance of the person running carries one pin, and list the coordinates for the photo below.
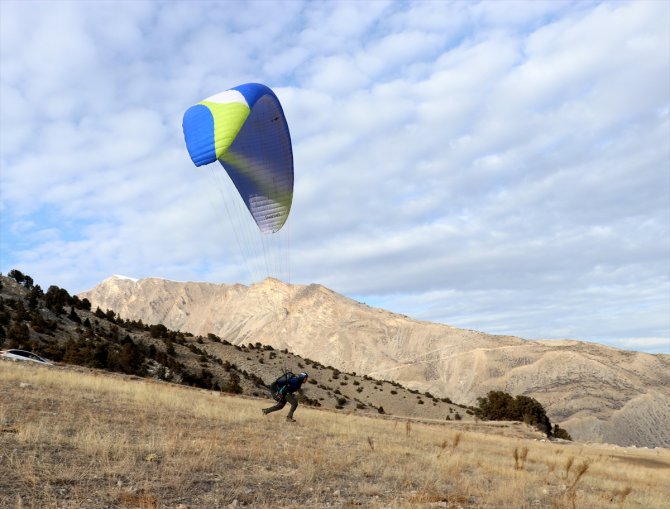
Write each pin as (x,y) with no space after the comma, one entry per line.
(282,391)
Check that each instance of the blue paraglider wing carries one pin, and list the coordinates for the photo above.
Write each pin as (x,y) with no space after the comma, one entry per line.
(245,129)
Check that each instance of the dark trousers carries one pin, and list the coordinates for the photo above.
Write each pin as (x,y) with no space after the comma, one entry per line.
(282,402)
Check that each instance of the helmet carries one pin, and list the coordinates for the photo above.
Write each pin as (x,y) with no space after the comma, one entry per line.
(303,376)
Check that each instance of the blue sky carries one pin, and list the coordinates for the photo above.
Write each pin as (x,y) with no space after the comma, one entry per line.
(498,166)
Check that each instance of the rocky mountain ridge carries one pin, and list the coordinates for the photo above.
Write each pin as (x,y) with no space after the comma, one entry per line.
(597,393)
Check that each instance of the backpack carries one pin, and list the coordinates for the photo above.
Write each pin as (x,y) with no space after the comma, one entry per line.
(278,387)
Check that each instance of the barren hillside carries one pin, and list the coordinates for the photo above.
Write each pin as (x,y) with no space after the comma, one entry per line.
(597,393)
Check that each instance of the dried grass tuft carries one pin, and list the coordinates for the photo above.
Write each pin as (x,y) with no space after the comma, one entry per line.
(520,456)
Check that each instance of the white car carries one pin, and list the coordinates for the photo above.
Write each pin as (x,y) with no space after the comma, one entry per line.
(22,355)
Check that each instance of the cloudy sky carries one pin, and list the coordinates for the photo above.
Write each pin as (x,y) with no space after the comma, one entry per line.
(498,166)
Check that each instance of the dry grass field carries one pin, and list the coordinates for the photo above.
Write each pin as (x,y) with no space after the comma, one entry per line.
(73,438)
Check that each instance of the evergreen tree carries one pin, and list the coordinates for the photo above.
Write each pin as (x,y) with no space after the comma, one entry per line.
(496,406)
(56,298)
(561,433)
(85,304)
(500,406)
(18,334)
(71,353)
(20,313)
(17,276)
(34,297)
(73,315)
(158,331)
(100,356)
(531,412)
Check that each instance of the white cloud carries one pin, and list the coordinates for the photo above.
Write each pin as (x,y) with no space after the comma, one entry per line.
(337,74)
(492,165)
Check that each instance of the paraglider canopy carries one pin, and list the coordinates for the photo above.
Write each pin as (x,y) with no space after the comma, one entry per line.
(244,128)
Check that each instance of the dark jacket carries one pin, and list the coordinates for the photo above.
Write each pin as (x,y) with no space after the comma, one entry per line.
(294,383)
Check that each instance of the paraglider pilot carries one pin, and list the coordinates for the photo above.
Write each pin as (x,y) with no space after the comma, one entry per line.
(282,391)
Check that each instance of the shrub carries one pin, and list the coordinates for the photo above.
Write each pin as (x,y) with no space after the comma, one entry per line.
(85,304)
(56,298)
(34,297)
(233,384)
(157,331)
(18,333)
(74,316)
(561,433)
(499,406)
(20,278)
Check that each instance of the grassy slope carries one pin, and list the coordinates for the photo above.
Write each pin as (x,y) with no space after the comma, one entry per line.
(72,437)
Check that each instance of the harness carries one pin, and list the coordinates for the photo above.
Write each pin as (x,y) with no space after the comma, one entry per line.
(279,387)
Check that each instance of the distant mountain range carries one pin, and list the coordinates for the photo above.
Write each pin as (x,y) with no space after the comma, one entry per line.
(597,393)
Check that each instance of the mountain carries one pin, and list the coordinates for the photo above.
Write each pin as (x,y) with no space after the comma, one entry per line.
(64,329)
(597,393)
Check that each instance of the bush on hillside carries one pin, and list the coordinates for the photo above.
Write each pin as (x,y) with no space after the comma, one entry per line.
(500,406)
(561,433)
(21,278)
